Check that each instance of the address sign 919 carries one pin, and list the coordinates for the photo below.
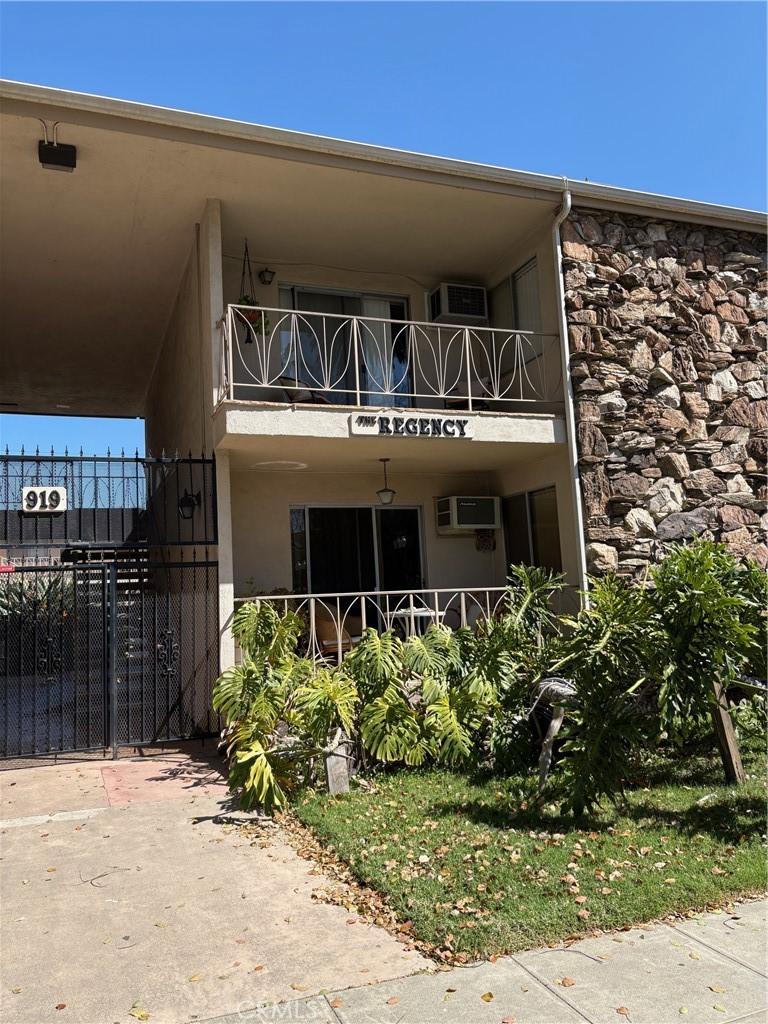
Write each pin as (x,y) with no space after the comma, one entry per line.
(43,499)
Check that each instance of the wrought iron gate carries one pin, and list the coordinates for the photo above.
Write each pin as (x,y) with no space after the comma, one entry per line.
(98,656)
(108,602)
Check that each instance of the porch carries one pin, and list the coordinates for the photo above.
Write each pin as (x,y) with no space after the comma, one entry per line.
(317,530)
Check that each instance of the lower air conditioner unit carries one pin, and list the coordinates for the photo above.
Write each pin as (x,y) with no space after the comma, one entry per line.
(458,304)
(463,514)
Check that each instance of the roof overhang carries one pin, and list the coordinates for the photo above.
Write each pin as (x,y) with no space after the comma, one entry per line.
(205,129)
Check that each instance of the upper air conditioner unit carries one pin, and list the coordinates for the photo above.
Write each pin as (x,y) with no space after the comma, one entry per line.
(459,514)
(458,304)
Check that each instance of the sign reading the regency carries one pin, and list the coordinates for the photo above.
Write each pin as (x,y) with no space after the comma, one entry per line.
(397,425)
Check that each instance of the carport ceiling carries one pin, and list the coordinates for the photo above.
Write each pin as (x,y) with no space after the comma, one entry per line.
(91,261)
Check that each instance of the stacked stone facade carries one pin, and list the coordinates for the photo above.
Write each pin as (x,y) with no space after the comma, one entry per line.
(667,330)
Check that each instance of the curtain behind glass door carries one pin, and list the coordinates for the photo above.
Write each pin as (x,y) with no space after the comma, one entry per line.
(384,357)
(324,358)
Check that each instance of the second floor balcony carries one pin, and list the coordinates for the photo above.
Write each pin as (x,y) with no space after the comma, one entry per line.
(295,357)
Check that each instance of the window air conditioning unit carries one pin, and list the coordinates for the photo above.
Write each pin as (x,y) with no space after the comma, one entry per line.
(466,514)
(458,304)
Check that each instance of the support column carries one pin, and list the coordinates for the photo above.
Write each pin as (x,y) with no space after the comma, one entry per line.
(226,565)
(211,306)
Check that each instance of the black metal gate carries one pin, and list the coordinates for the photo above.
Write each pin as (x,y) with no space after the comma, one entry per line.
(99,656)
(108,601)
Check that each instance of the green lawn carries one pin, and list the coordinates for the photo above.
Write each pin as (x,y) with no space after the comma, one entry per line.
(476,874)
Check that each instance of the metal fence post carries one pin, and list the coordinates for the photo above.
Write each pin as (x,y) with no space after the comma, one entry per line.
(111,589)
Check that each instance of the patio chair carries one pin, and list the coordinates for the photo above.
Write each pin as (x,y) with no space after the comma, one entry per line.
(327,635)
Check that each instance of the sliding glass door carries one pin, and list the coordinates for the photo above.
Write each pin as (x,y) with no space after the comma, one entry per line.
(356,549)
(322,359)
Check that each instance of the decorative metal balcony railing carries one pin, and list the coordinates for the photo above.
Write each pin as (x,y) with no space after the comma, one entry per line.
(333,623)
(278,355)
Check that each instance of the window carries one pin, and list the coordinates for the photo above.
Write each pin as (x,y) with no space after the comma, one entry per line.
(525,298)
(531,532)
(515,300)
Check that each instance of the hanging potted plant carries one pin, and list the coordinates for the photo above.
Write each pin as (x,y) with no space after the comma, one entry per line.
(257,319)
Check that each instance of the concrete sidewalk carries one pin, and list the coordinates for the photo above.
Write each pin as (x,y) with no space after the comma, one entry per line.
(707,969)
(127,889)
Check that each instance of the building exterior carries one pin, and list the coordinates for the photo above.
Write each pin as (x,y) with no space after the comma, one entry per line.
(592,358)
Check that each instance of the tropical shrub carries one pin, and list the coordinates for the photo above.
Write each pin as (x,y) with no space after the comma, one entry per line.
(519,645)
(424,698)
(280,714)
(711,608)
(607,652)
(35,596)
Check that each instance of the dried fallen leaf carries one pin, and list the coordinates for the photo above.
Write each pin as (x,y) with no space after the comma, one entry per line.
(61,1006)
(194,977)
(683,1009)
(719,1007)
(716,988)
(336,1003)
(139,1012)
(487,997)
(693,955)
(583,914)
(259,967)
(16,990)
(392,1000)
(298,988)
(509,1020)
(623,1011)
(567,982)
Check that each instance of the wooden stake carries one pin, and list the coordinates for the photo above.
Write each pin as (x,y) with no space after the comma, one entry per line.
(726,737)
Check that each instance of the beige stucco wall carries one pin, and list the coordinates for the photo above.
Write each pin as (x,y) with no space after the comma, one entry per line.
(174,407)
(180,397)
(261,528)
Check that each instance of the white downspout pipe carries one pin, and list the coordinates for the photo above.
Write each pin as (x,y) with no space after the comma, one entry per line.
(570,415)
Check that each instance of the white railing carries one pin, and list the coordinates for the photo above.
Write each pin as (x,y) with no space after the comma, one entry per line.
(278,355)
(333,623)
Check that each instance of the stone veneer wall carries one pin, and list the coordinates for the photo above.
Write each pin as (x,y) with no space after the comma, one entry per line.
(667,330)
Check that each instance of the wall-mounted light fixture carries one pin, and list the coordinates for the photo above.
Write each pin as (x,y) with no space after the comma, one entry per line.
(188,503)
(386,495)
(266,276)
(54,155)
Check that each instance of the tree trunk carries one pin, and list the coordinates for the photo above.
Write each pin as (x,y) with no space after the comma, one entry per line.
(726,737)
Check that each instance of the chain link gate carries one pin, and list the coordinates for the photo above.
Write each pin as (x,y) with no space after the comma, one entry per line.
(106,638)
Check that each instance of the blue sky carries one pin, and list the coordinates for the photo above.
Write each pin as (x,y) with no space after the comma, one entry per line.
(666,97)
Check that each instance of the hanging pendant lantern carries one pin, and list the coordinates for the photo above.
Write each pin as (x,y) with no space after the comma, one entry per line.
(386,495)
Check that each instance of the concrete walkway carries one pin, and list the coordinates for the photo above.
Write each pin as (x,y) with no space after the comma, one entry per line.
(125,891)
